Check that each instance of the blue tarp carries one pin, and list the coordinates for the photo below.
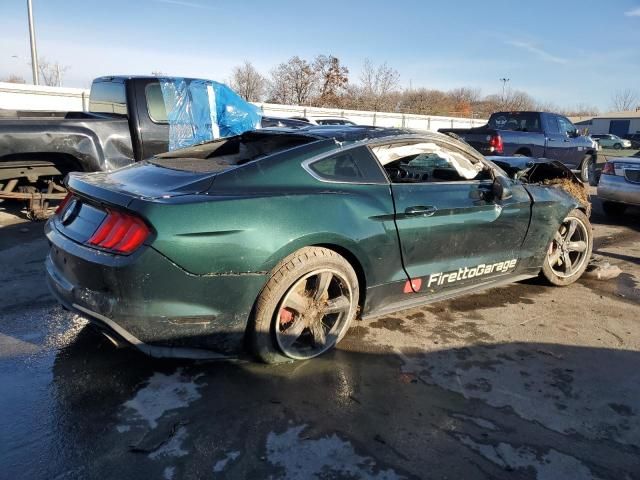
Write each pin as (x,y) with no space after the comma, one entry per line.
(202,110)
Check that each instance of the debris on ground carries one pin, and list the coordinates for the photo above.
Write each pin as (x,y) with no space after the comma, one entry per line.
(573,188)
(602,271)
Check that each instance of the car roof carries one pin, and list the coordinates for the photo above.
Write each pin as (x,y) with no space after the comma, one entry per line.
(350,133)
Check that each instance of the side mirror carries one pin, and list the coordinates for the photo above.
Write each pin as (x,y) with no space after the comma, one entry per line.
(501,188)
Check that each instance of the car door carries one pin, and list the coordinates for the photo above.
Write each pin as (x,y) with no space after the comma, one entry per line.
(574,154)
(558,144)
(452,231)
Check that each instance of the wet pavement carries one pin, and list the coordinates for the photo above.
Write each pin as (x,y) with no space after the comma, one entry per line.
(525,381)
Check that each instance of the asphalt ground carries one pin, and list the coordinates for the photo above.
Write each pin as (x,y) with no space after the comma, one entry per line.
(525,381)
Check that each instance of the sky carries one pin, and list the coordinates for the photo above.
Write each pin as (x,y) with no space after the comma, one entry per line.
(563,52)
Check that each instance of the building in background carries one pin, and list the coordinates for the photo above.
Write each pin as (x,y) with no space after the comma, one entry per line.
(618,123)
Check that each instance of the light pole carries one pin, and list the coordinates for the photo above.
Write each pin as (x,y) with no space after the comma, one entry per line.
(34,50)
(504,86)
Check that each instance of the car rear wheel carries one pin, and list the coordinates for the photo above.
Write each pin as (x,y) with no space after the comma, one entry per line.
(613,209)
(569,251)
(306,307)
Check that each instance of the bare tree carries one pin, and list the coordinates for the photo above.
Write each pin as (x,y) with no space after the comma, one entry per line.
(293,82)
(332,78)
(580,110)
(463,100)
(248,82)
(425,102)
(377,84)
(624,100)
(51,73)
(13,78)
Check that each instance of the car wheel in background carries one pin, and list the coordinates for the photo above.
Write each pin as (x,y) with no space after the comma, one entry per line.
(613,209)
(617,146)
(586,169)
(305,308)
(569,252)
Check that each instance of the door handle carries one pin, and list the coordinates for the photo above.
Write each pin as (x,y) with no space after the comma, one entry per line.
(566,140)
(420,211)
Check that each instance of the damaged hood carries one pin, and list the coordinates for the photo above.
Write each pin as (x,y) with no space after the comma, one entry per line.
(533,170)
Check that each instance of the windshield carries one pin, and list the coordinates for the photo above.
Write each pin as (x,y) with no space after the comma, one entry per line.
(516,121)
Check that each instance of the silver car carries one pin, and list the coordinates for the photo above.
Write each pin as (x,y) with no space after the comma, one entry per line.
(619,184)
(611,141)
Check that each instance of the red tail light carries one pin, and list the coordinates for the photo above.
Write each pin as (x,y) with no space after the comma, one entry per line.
(63,203)
(608,169)
(495,144)
(120,232)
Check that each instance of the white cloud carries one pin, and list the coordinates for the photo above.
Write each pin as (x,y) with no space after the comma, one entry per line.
(542,54)
(634,12)
(183,3)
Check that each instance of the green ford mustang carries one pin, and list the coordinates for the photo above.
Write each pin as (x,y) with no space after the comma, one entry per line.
(277,239)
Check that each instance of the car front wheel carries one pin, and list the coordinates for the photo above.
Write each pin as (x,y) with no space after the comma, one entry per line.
(618,146)
(569,252)
(306,307)
(586,169)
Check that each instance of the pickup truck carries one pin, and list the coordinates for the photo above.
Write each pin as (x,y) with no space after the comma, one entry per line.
(534,134)
(126,122)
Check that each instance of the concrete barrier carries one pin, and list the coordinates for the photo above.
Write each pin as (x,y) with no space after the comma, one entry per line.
(29,97)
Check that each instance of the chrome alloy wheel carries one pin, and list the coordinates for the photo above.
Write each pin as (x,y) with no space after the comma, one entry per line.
(568,249)
(314,313)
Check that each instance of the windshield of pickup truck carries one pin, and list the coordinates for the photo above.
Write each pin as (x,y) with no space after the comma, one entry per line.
(516,121)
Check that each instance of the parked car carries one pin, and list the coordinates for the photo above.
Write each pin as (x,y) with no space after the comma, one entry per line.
(277,239)
(325,120)
(126,122)
(533,134)
(279,122)
(619,184)
(634,138)
(611,141)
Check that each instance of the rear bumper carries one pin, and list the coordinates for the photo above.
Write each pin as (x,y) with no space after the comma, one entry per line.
(150,302)
(615,188)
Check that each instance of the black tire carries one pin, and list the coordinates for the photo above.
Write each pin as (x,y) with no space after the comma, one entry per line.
(267,322)
(617,146)
(586,169)
(613,209)
(555,269)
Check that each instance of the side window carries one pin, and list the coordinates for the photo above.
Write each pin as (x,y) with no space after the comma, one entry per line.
(155,103)
(565,125)
(108,97)
(552,124)
(355,165)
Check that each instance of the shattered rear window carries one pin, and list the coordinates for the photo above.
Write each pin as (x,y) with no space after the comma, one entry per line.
(221,154)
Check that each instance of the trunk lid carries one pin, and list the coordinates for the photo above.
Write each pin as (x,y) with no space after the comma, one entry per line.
(140,181)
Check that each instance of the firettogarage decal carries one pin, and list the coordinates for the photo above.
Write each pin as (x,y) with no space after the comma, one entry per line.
(441,278)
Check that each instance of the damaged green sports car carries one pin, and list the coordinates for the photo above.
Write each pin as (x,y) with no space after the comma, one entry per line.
(276,240)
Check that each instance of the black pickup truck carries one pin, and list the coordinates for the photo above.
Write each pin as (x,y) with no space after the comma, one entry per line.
(533,134)
(126,122)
